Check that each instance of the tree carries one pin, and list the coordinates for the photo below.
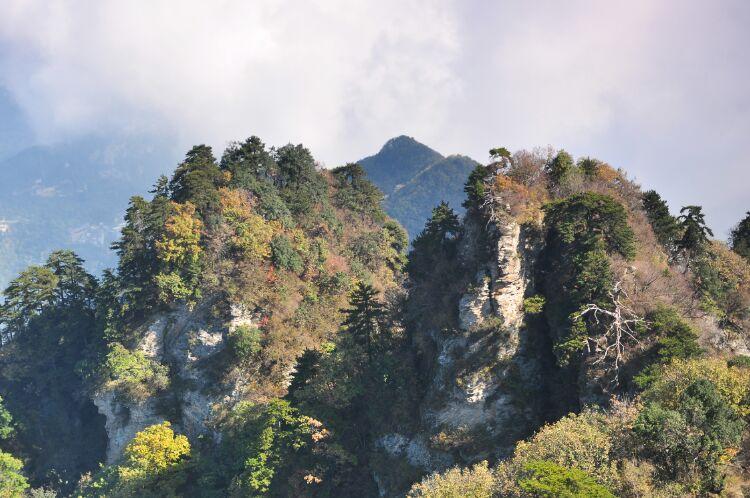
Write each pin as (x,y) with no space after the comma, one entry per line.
(442,226)
(179,253)
(499,153)
(6,422)
(690,438)
(197,179)
(26,297)
(695,233)
(260,439)
(665,226)
(356,193)
(589,166)
(740,238)
(610,346)
(475,187)
(560,168)
(301,186)
(12,483)
(364,318)
(248,162)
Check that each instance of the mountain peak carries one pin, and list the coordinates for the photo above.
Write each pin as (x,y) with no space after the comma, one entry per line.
(398,160)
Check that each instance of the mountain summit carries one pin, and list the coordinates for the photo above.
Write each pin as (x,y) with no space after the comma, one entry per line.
(416,178)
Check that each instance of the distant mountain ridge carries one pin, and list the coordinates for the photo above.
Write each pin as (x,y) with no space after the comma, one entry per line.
(415,178)
(71,195)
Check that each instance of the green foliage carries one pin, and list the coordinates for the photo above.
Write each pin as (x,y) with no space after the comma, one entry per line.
(437,240)
(13,484)
(257,442)
(499,153)
(49,329)
(675,339)
(244,341)
(690,439)
(665,226)
(547,479)
(695,233)
(584,219)
(300,185)
(475,186)
(6,422)
(740,237)
(196,180)
(355,193)
(249,163)
(560,168)
(364,319)
(284,255)
(589,166)
(582,231)
(396,241)
(132,373)
(534,305)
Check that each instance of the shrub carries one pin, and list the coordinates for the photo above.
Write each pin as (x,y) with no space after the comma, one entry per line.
(12,483)
(691,438)
(547,479)
(244,341)
(477,482)
(579,441)
(133,373)
(284,256)
(534,305)
(732,383)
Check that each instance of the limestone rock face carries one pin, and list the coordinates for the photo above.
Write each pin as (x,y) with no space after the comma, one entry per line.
(484,372)
(186,340)
(481,366)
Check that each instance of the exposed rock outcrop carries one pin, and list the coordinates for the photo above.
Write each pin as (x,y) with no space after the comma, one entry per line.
(186,340)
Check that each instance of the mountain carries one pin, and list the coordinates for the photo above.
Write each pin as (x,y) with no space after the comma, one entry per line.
(415,179)
(71,195)
(265,333)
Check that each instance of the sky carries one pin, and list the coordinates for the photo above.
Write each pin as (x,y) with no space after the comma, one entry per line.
(661,89)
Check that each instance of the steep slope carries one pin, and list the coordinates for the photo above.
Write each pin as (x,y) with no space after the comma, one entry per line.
(415,178)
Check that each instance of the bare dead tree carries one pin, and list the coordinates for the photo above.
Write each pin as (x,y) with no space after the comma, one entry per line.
(620,324)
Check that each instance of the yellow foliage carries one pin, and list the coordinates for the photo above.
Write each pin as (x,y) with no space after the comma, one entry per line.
(580,441)
(252,233)
(524,202)
(732,383)
(180,244)
(152,451)
(477,482)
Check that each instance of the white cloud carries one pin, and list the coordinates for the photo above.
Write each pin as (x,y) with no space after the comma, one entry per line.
(659,88)
(326,72)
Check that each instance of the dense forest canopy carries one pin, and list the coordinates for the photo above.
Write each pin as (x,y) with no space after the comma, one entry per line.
(265,333)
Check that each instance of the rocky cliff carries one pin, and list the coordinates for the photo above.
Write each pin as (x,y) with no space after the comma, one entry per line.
(486,373)
(187,340)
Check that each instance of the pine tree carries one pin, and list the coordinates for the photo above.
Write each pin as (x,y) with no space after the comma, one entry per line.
(695,233)
(560,168)
(364,317)
(665,226)
(740,238)
(196,180)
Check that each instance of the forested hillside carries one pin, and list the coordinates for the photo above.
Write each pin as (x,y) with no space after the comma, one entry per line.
(266,334)
(415,178)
